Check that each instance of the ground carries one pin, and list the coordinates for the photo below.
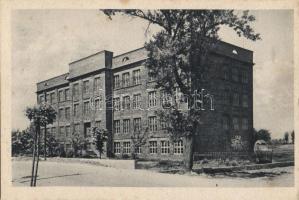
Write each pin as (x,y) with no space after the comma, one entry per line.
(82,174)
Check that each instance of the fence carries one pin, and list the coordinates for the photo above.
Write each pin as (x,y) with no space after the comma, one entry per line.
(220,155)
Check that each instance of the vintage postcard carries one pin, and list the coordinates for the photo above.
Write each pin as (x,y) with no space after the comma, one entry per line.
(133,100)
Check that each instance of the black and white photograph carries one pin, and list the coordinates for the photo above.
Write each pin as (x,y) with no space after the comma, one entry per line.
(152,98)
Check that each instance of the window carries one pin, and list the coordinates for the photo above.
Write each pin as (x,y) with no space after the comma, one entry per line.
(53,131)
(127,147)
(226,97)
(98,124)
(138,149)
(60,95)
(67,131)
(236,100)
(60,113)
(136,101)
(41,98)
(225,122)
(151,76)
(76,90)
(236,123)
(244,124)
(52,97)
(164,147)
(153,147)
(225,73)
(163,124)
(126,102)
(165,99)
(136,77)
(48,131)
(178,147)
(67,94)
(67,113)
(152,123)
(86,108)
(48,98)
(85,87)
(245,100)
(235,74)
(77,128)
(245,77)
(98,103)
(116,103)
(62,131)
(137,124)
(116,82)
(126,126)
(152,101)
(126,79)
(97,84)
(76,109)
(117,147)
(116,126)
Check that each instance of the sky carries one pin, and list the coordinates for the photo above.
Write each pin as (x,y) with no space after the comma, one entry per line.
(44,42)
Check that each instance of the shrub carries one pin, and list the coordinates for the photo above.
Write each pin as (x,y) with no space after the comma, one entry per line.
(125,156)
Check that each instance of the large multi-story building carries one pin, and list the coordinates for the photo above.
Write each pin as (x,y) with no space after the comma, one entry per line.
(84,98)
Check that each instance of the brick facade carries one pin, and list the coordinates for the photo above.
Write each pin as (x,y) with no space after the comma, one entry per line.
(83,98)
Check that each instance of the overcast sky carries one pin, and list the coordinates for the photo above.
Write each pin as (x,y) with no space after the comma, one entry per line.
(44,42)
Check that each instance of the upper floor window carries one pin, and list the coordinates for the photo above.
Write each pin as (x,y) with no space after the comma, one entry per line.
(76,90)
(116,126)
(98,103)
(67,113)
(98,124)
(225,122)
(244,124)
(225,73)
(77,128)
(236,99)
(152,99)
(236,123)
(126,126)
(60,113)
(60,95)
(235,74)
(67,94)
(53,131)
(86,108)
(165,99)
(116,81)
(151,76)
(126,79)
(137,124)
(41,98)
(62,131)
(116,103)
(136,101)
(226,97)
(76,109)
(85,87)
(245,77)
(152,123)
(67,131)
(136,77)
(52,97)
(126,102)
(245,100)
(97,84)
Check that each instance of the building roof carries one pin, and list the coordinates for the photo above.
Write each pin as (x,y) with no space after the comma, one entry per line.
(52,82)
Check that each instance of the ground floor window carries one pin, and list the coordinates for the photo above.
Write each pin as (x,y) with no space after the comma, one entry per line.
(138,150)
(117,147)
(153,147)
(127,147)
(164,147)
(178,147)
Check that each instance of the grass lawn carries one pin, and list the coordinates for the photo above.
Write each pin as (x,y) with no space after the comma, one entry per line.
(282,153)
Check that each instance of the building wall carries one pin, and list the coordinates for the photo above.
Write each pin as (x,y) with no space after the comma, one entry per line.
(212,136)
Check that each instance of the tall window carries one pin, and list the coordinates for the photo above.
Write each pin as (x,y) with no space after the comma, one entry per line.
(116,82)
(77,128)
(137,124)
(178,147)
(126,79)
(98,124)
(225,73)
(41,98)
(60,113)
(116,126)
(245,100)
(136,101)
(236,123)
(67,113)
(116,103)
(126,126)
(151,77)
(67,131)
(225,122)
(244,124)
(236,99)
(126,102)
(67,94)
(86,108)
(85,87)
(116,147)
(52,97)
(153,147)
(138,149)
(152,100)
(97,84)
(76,109)
(164,147)
(152,123)
(62,131)
(226,97)
(165,99)
(60,96)
(136,77)
(53,131)
(244,77)
(76,90)
(127,147)
(235,74)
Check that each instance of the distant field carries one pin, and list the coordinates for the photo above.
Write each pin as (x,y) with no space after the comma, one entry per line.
(282,153)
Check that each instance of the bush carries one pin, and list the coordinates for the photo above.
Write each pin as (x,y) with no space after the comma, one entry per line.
(125,156)
(204,161)
(69,154)
(234,163)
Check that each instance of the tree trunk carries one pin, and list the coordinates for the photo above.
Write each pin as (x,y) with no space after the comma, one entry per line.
(37,156)
(45,143)
(33,157)
(188,157)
